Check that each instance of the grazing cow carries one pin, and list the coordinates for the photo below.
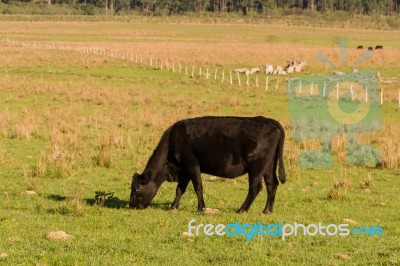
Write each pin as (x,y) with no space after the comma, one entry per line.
(222,146)
(254,70)
(360,47)
(242,71)
(269,69)
(370,48)
(378,47)
(289,69)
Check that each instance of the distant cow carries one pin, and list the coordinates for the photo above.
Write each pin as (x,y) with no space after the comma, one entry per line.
(222,146)
(378,47)
(254,70)
(242,71)
(360,47)
(269,69)
(370,48)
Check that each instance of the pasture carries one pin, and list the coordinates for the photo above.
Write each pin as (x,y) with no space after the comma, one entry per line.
(75,126)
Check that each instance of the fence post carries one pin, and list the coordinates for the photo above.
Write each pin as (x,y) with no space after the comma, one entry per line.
(266,83)
(312,88)
(351,91)
(337,90)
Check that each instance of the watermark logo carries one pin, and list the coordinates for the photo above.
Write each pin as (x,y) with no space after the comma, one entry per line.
(249,231)
(340,104)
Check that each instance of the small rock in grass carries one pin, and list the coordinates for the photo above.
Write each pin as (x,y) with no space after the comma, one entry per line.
(343,256)
(187,234)
(210,211)
(83,182)
(58,235)
(349,221)
(29,193)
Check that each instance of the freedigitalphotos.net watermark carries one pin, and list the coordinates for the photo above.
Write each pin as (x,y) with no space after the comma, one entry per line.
(281,230)
(339,104)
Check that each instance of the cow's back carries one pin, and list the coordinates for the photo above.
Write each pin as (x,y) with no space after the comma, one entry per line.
(223,146)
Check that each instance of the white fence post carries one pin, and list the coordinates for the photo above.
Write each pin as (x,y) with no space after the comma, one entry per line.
(399,98)
(352,93)
(337,90)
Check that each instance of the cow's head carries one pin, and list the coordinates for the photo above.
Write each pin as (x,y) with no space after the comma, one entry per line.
(143,190)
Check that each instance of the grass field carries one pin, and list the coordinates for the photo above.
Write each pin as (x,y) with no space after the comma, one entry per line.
(73,124)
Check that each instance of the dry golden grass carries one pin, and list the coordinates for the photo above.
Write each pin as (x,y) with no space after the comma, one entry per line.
(104,149)
(340,188)
(390,146)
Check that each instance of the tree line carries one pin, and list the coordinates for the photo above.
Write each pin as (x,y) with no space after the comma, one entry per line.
(245,7)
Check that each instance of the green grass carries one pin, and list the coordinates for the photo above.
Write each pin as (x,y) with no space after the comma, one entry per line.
(75,101)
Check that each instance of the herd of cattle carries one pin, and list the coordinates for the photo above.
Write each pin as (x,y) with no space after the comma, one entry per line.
(377,47)
(291,67)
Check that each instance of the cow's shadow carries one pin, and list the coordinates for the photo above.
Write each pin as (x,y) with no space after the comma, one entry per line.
(112,202)
(161,205)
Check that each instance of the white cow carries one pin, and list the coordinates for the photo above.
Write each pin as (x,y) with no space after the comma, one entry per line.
(269,69)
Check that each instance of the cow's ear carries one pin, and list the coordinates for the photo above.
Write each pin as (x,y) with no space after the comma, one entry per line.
(135,176)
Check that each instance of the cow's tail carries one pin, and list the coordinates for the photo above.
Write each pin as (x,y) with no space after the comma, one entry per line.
(282,174)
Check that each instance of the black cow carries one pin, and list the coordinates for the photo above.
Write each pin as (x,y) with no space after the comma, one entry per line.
(370,48)
(222,146)
(360,47)
(378,47)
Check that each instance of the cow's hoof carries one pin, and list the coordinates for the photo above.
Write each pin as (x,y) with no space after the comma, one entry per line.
(174,209)
(241,211)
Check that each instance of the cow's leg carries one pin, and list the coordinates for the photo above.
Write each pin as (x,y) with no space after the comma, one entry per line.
(180,190)
(195,176)
(271,182)
(255,186)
